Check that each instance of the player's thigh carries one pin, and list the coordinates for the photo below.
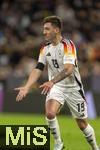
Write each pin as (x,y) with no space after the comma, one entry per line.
(54,100)
(52,106)
(77,105)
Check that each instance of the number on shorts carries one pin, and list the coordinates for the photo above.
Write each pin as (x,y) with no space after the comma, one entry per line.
(80,107)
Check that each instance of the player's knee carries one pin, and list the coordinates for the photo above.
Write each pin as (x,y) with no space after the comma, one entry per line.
(50,115)
(82,124)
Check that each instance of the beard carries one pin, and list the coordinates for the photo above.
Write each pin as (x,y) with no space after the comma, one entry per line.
(50,39)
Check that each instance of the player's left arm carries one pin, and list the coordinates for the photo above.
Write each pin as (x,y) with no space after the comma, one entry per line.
(67,71)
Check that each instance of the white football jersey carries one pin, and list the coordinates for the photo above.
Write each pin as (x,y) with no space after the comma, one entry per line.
(55,57)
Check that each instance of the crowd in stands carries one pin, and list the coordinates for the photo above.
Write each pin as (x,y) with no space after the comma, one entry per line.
(21,35)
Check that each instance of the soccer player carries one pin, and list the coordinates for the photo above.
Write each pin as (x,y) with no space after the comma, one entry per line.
(64,83)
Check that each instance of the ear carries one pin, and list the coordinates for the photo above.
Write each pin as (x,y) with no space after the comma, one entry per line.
(57,30)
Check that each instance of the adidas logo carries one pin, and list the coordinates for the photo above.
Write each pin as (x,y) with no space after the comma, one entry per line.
(48,54)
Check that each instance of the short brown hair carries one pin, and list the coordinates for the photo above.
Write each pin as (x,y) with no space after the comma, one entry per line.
(54,20)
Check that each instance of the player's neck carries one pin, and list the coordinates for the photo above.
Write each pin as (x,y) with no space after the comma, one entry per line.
(57,40)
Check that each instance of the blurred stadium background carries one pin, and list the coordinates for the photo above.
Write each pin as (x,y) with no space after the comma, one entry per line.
(20,41)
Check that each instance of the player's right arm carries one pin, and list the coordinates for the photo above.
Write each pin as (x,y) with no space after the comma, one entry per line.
(33,77)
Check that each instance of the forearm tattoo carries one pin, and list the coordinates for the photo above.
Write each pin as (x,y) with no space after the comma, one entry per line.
(62,75)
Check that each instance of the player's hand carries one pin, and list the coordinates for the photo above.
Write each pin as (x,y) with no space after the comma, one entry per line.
(22,93)
(46,87)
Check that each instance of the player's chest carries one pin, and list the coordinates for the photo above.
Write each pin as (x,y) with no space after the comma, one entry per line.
(54,57)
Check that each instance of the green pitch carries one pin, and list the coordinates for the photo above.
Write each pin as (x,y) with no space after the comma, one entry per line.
(71,135)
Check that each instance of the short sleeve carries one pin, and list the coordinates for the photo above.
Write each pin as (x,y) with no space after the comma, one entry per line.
(69,52)
(42,57)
